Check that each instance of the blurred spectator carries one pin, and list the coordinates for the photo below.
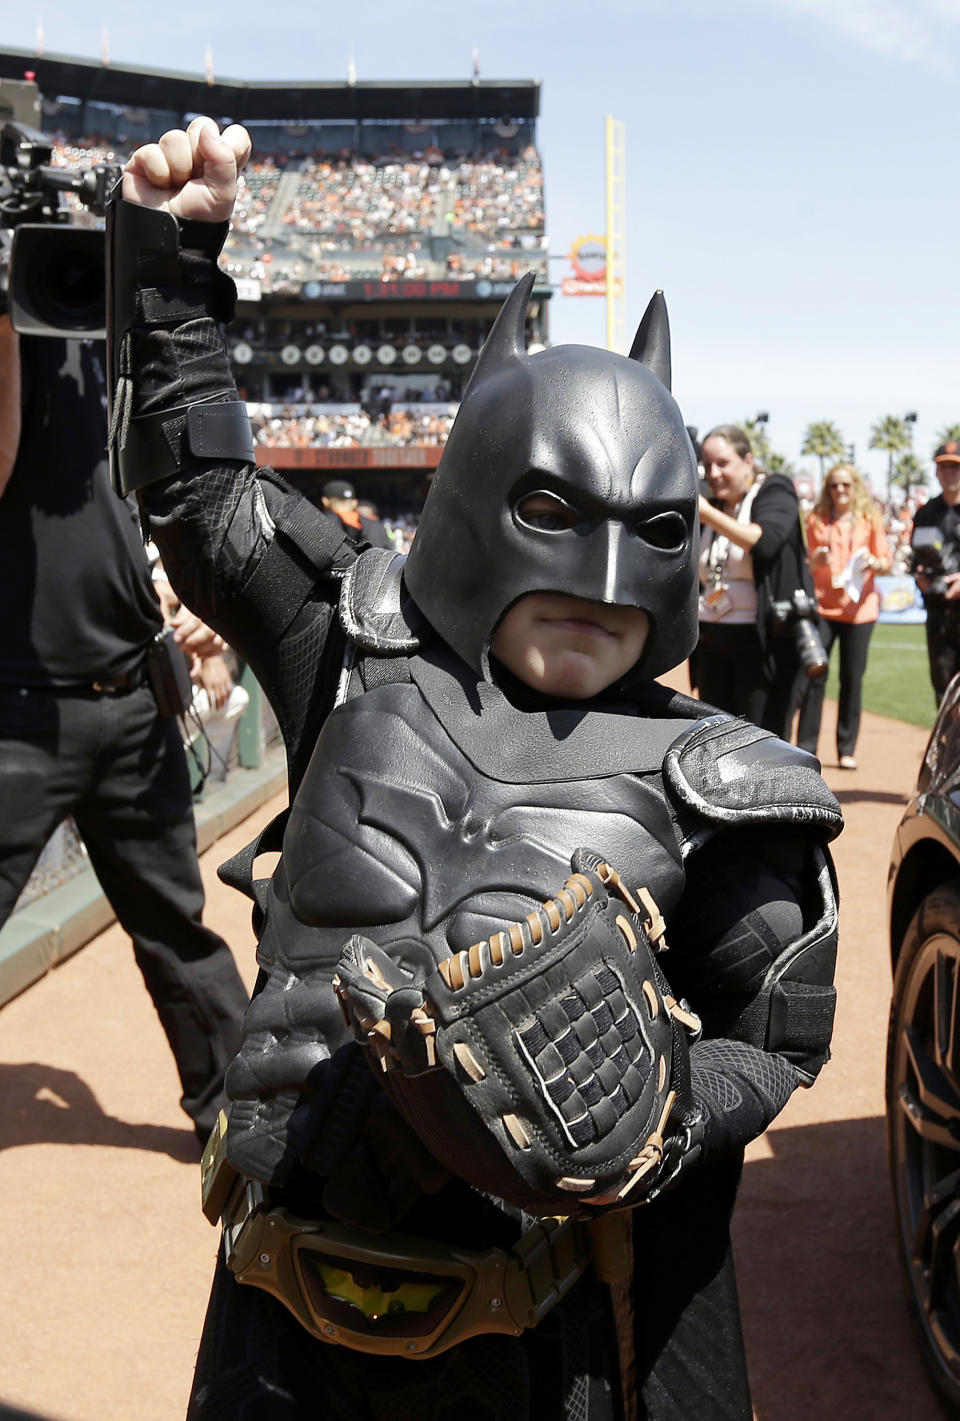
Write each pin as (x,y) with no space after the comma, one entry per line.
(846,546)
(340,499)
(402,528)
(936,565)
(751,561)
(218,702)
(218,705)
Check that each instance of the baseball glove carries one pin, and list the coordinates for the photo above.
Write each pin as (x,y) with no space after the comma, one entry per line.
(548,1065)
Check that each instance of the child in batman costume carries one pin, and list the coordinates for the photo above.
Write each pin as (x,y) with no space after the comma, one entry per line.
(516,877)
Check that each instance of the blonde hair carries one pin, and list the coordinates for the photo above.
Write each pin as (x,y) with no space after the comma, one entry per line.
(861,504)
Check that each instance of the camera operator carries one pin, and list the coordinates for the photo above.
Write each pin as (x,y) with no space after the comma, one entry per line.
(936,567)
(80,729)
(757,610)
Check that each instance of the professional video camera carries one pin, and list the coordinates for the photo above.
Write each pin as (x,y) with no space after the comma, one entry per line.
(51,272)
(933,555)
(797,618)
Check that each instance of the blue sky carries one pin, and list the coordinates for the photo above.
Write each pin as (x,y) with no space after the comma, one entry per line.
(792,180)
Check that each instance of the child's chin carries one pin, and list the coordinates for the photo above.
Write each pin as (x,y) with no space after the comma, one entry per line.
(578,681)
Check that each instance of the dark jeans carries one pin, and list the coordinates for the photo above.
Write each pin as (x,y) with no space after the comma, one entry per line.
(730,674)
(256,1363)
(111,762)
(854,641)
(943,642)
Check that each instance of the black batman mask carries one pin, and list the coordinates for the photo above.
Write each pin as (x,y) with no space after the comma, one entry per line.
(602,434)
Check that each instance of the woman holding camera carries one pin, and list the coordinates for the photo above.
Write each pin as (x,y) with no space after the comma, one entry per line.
(847,547)
(752,567)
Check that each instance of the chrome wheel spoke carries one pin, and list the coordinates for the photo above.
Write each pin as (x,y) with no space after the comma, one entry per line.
(944,1234)
(946,984)
(942,1191)
(923,1114)
(927,1096)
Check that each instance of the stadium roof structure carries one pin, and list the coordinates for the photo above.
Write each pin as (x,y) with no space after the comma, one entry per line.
(248,101)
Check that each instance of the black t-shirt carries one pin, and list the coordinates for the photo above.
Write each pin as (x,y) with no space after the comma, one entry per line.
(937,513)
(75,588)
(371,531)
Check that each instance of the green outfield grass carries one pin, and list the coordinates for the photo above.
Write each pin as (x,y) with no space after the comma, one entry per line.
(897,682)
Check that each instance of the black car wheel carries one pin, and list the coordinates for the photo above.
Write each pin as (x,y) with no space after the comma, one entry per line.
(923,1129)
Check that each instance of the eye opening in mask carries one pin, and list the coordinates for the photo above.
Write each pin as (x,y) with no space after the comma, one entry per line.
(665,531)
(547,512)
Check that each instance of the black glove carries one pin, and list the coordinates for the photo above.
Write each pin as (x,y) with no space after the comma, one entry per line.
(548,1065)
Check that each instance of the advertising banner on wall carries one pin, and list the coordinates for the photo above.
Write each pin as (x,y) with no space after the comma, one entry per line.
(381,456)
(588,257)
(900,600)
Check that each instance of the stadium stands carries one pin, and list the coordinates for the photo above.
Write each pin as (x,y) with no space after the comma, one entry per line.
(377,229)
(346,427)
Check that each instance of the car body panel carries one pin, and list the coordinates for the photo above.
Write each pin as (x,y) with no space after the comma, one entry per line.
(922,1089)
(926,846)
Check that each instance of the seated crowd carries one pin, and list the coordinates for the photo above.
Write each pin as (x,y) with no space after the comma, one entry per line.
(352,218)
(302,426)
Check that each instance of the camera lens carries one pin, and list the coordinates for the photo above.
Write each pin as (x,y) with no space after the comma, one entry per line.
(57,280)
(75,284)
(813,659)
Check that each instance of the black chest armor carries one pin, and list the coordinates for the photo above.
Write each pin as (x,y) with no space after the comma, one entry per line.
(432,814)
(399,831)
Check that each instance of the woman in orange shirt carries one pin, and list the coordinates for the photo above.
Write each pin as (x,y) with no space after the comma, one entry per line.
(847,547)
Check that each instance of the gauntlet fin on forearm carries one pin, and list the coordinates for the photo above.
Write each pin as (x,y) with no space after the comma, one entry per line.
(169,397)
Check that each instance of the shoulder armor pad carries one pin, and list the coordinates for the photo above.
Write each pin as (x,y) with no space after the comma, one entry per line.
(376,612)
(731,772)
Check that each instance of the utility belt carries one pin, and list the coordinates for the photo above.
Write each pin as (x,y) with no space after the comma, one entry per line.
(392,1295)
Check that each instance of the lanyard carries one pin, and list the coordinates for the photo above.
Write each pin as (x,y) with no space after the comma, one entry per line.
(718,553)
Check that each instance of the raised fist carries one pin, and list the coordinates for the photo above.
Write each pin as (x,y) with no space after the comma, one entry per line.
(191,173)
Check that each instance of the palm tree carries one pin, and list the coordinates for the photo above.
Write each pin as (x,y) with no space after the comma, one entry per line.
(948,432)
(779,464)
(892,435)
(823,439)
(908,473)
(756,432)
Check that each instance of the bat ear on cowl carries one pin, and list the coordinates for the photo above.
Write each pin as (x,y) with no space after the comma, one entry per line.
(651,344)
(506,342)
